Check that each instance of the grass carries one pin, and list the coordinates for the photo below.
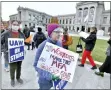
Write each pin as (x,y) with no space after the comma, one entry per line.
(98,52)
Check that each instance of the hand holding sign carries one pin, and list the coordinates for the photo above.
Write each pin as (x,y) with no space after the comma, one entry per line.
(55,77)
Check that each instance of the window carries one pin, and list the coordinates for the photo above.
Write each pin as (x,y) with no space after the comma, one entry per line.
(33,24)
(49,20)
(85,12)
(63,21)
(70,21)
(66,21)
(33,17)
(73,27)
(80,12)
(77,28)
(29,16)
(40,18)
(104,20)
(109,29)
(88,29)
(91,14)
(60,21)
(13,18)
(46,20)
(29,24)
(103,28)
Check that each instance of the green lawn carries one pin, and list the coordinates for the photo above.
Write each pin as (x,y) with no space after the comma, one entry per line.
(98,52)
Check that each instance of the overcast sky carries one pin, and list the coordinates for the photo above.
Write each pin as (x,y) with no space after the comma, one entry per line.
(51,8)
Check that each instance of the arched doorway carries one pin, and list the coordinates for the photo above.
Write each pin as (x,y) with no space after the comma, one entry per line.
(83,28)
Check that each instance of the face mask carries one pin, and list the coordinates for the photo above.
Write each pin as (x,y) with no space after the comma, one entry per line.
(15,28)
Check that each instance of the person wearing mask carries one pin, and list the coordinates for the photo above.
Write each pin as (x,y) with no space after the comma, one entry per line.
(15,66)
(39,37)
(90,42)
(45,78)
(106,66)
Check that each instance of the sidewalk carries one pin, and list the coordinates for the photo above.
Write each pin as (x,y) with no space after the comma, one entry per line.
(84,78)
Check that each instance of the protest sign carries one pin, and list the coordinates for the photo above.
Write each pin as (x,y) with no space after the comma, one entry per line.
(32,35)
(15,49)
(58,61)
(83,34)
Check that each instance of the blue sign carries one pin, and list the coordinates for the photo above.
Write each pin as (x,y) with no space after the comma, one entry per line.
(16,49)
(60,84)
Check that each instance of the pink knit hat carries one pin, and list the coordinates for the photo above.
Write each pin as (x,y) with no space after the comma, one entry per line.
(51,28)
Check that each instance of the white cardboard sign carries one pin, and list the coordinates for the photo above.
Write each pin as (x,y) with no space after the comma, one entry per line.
(58,61)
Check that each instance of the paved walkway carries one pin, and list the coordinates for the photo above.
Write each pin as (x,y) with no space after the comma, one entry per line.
(84,78)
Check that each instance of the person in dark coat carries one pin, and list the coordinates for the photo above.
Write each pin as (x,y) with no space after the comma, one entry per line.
(25,31)
(39,37)
(106,66)
(90,42)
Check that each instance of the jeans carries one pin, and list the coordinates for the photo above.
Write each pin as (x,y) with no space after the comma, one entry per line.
(44,86)
(6,59)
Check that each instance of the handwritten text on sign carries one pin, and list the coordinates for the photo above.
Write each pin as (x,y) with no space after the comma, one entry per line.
(16,49)
(58,61)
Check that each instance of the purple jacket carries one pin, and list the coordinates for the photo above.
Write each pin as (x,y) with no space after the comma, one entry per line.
(44,76)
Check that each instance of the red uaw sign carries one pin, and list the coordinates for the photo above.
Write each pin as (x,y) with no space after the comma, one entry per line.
(58,61)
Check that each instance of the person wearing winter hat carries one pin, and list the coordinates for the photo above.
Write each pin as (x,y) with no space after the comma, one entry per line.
(15,66)
(46,78)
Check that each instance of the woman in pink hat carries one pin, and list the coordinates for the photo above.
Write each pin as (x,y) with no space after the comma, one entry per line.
(45,78)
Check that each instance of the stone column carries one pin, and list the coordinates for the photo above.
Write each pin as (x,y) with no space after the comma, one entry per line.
(87,23)
(82,18)
(95,11)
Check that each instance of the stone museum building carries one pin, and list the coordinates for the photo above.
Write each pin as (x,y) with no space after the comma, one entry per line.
(87,14)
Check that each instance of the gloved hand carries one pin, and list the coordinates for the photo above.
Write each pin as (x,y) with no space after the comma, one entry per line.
(55,77)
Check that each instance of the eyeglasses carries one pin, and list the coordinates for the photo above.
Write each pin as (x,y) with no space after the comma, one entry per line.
(58,31)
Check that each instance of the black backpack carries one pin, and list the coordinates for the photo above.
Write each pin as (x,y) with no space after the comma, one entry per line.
(40,37)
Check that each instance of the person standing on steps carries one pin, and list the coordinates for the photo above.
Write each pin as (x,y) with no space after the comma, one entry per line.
(90,42)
